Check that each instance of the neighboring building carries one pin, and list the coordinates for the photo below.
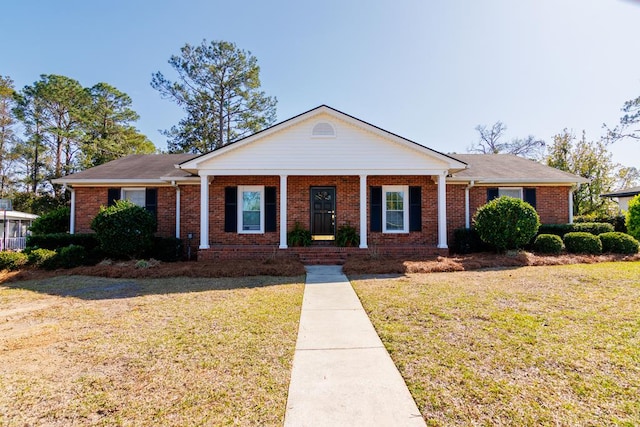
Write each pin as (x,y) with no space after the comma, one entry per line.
(321,169)
(14,228)
(623,197)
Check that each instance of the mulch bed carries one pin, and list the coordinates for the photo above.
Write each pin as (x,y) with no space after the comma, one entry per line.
(355,265)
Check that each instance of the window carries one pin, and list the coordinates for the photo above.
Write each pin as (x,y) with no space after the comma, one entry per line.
(137,196)
(510,192)
(395,212)
(251,209)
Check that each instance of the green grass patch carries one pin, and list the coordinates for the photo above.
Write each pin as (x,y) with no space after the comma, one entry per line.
(528,346)
(91,351)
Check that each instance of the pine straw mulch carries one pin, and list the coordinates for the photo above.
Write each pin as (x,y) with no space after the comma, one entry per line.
(365,265)
(355,265)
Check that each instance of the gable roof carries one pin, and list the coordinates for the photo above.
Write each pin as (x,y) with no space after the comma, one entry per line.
(136,168)
(510,169)
(290,146)
(627,192)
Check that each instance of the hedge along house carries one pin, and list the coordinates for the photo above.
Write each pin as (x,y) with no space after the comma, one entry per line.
(321,170)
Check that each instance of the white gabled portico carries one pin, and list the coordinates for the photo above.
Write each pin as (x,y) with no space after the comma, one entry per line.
(324,142)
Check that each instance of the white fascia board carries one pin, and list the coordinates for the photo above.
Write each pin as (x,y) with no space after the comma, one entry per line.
(505,181)
(318,172)
(104,182)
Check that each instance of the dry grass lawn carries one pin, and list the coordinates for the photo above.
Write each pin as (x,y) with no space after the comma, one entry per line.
(80,350)
(527,346)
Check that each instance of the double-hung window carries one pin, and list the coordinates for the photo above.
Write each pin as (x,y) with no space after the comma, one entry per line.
(251,209)
(395,212)
(515,192)
(137,196)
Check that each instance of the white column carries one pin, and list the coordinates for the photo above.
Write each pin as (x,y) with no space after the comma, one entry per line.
(72,222)
(177,212)
(363,212)
(442,211)
(283,211)
(204,212)
(571,206)
(467,219)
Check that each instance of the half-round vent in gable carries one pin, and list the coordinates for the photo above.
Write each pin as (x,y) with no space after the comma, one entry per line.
(323,129)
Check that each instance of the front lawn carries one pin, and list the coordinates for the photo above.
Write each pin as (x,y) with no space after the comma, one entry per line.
(93,351)
(528,346)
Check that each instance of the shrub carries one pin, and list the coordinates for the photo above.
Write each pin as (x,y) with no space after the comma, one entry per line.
(633,217)
(466,241)
(12,260)
(580,242)
(71,256)
(595,228)
(557,229)
(619,243)
(168,249)
(618,221)
(299,236)
(124,230)
(506,223)
(548,244)
(41,257)
(60,240)
(56,221)
(347,236)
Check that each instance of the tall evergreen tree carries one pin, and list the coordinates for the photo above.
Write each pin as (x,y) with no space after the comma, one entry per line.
(218,87)
(8,136)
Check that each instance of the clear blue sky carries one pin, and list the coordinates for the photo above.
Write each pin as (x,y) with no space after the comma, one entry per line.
(427,70)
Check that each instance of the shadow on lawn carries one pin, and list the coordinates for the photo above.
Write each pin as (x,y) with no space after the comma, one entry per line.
(125,281)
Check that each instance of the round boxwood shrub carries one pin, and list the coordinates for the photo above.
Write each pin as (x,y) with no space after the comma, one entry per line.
(71,256)
(124,230)
(581,242)
(12,260)
(41,257)
(56,221)
(619,243)
(633,217)
(548,244)
(506,223)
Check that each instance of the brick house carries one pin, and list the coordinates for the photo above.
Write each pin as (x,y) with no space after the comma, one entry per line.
(321,169)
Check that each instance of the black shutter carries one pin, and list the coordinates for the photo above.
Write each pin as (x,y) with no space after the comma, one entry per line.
(231,209)
(415,208)
(492,193)
(113,194)
(270,209)
(530,196)
(375,208)
(151,201)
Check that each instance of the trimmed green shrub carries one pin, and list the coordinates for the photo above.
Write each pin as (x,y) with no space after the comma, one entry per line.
(167,249)
(299,236)
(56,221)
(41,257)
(12,260)
(506,223)
(581,242)
(557,229)
(548,244)
(618,221)
(619,243)
(60,240)
(466,241)
(124,230)
(595,228)
(347,236)
(633,217)
(71,256)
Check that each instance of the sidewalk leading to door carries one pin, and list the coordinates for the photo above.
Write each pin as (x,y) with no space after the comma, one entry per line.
(342,374)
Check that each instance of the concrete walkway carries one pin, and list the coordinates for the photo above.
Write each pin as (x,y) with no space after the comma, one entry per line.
(342,375)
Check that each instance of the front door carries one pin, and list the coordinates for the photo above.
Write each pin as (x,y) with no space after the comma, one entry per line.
(323,213)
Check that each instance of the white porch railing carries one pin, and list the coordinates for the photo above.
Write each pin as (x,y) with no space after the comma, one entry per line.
(12,243)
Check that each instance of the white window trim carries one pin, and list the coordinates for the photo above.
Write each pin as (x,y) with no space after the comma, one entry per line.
(511,189)
(247,188)
(393,188)
(123,190)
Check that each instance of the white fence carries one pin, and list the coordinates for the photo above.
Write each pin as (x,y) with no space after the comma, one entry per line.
(12,243)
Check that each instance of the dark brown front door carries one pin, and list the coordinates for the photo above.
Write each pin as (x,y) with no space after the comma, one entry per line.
(323,213)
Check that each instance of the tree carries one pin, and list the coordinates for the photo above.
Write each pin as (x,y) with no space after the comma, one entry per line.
(8,137)
(108,133)
(587,159)
(490,143)
(219,89)
(633,217)
(627,177)
(629,126)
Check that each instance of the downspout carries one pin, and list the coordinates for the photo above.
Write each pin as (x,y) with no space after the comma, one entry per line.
(72,219)
(177,187)
(571,206)
(467,214)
